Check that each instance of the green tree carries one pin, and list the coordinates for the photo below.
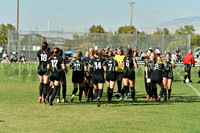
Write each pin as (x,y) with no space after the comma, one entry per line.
(126,30)
(97,29)
(4,32)
(186,30)
(164,31)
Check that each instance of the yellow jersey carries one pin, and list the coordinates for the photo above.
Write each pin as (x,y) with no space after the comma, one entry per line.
(119,60)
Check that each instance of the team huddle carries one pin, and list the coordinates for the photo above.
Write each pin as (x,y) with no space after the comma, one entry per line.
(88,74)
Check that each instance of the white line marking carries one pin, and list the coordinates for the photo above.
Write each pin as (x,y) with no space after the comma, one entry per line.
(190,85)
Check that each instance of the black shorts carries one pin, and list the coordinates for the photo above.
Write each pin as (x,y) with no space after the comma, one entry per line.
(55,76)
(119,73)
(168,74)
(62,75)
(187,68)
(77,78)
(111,76)
(129,74)
(42,71)
(98,79)
(156,79)
(88,77)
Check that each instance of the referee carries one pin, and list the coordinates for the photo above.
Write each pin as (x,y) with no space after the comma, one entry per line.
(188,61)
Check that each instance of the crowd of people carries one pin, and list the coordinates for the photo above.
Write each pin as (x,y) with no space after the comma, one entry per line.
(88,73)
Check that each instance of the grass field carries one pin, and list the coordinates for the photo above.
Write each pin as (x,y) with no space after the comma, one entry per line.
(21,112)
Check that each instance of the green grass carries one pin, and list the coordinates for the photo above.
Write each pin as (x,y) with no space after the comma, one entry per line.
(20,111)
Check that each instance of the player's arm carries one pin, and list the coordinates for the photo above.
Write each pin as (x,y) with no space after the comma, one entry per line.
(135,63)
(173,63)
(38,61)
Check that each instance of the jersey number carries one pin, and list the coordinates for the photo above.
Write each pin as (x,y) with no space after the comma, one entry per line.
(43,57)
(77,67)
(98,65)
(127,63)
(54,63)
(110,67)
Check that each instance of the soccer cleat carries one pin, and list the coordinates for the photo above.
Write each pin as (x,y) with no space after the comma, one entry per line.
(109,102)
(92,99)
(158,99)
(79,101)
(43,101)
(40,99)
(58,100)
(50,104)
(126,97)
(64,100)
(72,98)
(190,81)
(98,102)
(134,100)
(88,100)
(147,97)
(151,98)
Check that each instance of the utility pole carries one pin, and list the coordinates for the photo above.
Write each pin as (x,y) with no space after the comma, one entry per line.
(131,5)
(17,15)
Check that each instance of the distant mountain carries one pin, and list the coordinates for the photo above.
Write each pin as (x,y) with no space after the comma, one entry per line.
(175,24)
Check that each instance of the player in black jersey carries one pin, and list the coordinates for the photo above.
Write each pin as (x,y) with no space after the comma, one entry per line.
(55,66)
(156,71)
(146,79)
(42,57)
(168,74)
(97,63)
(77,65)
(129,64)
(111,65)
(88,77)
(63,81)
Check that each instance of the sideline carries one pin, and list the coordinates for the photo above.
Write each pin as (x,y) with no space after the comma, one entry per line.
(195,90)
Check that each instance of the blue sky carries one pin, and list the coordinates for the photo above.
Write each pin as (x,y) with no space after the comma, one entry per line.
(80,14)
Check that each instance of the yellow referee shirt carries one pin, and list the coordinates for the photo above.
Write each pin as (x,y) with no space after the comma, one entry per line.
(119,60)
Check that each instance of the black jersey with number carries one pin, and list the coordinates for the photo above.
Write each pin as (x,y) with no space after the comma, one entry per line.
(128,64)
(97,65)
(168,70)
(86,61)
(111,64)
(150,65)
(55,63)
(157,72)
(43,57)
(168,66)
(77,65)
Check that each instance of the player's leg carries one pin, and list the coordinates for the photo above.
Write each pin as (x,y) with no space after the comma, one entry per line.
(75,85)
(112,84)
(169,88)
(132,85)
(45,86)
(40,88)
(56,85)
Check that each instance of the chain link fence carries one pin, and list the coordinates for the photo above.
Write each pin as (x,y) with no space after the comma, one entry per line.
(29,42)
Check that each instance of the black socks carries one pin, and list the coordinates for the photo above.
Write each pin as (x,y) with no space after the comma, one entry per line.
(119,84)
(41,89)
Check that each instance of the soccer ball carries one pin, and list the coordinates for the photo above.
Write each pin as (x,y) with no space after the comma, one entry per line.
(187,80)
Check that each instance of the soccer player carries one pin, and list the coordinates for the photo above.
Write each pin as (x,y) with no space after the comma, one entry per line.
(55,65)
(129,64)
(97,63)
(42,57)
(77,65)
(147,84)
(111,66)
(88,76)
(168,74)
(188,61)
(119,58)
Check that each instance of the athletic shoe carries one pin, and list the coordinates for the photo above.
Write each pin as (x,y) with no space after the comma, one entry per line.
(58,100)
(158,99)
(190,81)
(84,95)
(122,99)
(88,100)
(126,97)
(72,98)
(109,102)
(79,101)
(40,99)
(134,100)
(117,95)
(151,98)
(92,99)
(43,101)
(64,100)
(50,104)
(198,82)
(184,81)
(98,102)
(147,97)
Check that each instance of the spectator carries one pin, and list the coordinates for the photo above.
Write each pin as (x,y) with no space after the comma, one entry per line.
(115,52)
(174,57)
(13,57)
(5,57)
(179,57)
(1,51)
(135,51)
(22,58)
(177,51)
(67,59)
(197,52)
